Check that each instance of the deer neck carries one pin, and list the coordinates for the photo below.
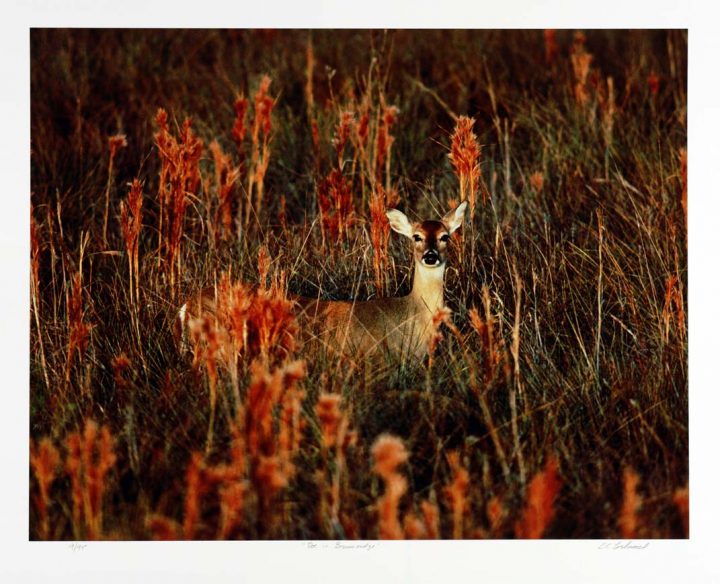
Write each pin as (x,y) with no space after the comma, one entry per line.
(427,291)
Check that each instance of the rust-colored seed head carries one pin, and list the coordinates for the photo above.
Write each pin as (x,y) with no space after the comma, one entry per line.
(465,158)
(330,416)
(263,106)
(336,204)
(456,493)
(540,506)
(270,475)
(263,265)
(116,142)
(90,457)
(628,521)
(342,133)
(179,176)
(537,181)
(79,329)
(495,514)
(580,60)
(681,498)
(389,453)
(44,460)
(239,129)
(443,315)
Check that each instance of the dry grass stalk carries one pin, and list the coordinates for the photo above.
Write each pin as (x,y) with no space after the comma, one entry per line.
(35,251)
(226,176)
(684,178)
(260,148)
(383,143)
(121,365)
(239,133)
(380,201)
(343,131)
(335,436)
(131,224)
(90,457)
(494,362)
(79,330)
(628,521)
(389,453)
(492,346)
(269,454)
(581,60)
(309,74)
(330,417)
(336,206)
(44,460)
(207,338)
(516,392)
(234,488)
(115,143)
(465,158)
(540,503)
(179,177)
(673,309)
(263,266)
(292,424)
(456,493)
(443,315)
(239,129)
(608,110)
(361,140)
(195,488)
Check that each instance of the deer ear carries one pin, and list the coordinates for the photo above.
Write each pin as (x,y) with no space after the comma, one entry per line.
(399,222)
(454,218)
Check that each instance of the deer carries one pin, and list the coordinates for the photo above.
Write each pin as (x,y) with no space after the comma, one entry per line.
(401,326)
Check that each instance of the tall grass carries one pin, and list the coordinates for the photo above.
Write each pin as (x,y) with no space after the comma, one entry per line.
(553,400)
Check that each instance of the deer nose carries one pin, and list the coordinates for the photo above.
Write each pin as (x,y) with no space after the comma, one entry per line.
(431,257)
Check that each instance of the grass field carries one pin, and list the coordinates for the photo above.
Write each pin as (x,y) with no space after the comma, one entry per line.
(554,403)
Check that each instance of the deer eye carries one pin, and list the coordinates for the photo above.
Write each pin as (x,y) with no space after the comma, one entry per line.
(416,237)
(445,238)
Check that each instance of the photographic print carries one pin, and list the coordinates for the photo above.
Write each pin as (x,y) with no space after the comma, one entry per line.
(358,284)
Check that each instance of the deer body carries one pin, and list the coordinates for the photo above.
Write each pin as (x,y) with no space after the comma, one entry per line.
(401,326)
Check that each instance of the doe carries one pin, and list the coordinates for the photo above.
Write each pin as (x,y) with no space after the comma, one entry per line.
(401,326)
